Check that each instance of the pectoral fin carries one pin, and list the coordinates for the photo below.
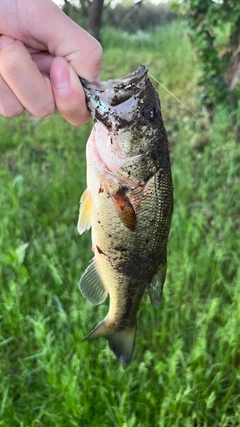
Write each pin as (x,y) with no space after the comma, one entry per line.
(91,285)
(125,209)
(155,289)
(85,212)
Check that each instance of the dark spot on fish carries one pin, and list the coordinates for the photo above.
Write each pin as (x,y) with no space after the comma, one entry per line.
(123,123)
(100,250)
(101,190)
(104,118)
(139,266)
(120,248)
(123,189)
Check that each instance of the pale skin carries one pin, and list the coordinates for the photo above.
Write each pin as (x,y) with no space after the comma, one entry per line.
(42,53)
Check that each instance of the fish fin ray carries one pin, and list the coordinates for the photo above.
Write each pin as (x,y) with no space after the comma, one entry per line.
(85,212)
(125,210)
(100,330)
(121,341)
(155,289)
(122,344)
(91,285)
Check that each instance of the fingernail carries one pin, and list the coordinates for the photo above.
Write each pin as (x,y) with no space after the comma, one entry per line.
(96,81)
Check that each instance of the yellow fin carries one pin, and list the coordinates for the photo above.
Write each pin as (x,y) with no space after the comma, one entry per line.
(85,212)
(125,209)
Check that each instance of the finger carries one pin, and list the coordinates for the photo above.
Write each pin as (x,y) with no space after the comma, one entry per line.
(21,74)
(73,43)
(39,21)
(43,61)
(10,106)
(68,92)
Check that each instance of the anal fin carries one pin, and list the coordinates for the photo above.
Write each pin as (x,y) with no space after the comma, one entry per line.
(91,285)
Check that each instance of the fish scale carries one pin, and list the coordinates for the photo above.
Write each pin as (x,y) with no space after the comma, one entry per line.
(128,203)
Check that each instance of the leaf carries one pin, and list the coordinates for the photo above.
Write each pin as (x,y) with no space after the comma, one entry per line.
(21,251)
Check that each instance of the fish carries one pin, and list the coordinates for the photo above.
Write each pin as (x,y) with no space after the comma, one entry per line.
(128,204)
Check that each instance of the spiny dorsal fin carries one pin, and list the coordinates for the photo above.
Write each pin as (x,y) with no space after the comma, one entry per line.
(91,285)
(155,289)
(85,212)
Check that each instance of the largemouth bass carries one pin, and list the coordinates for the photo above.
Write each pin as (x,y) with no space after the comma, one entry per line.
(128,203)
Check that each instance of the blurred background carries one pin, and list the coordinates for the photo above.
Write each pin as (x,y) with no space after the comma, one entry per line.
(185,368)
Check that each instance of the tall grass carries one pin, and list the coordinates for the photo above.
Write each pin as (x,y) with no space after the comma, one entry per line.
(185,368)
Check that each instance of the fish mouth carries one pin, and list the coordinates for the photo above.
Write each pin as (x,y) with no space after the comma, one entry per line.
(127,82)
(117,91)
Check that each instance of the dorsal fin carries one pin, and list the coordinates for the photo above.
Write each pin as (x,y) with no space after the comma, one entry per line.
(92,286)
(85,212)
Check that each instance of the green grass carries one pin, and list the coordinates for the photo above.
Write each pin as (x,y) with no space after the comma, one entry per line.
(185,368)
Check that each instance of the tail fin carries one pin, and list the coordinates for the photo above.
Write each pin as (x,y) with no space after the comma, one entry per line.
(121,341)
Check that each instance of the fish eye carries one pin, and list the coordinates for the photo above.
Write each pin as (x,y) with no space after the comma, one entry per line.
(149,113)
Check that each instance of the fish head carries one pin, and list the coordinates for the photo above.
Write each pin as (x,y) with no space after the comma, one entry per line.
(128,124)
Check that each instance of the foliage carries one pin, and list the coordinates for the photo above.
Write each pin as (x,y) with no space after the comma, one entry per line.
(185,369)
(143,17)
(78,13)
(123,16)
(213,29)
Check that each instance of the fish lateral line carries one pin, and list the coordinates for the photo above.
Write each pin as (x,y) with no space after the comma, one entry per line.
(170,93)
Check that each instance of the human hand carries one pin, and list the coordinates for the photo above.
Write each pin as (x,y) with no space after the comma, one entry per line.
(42,53)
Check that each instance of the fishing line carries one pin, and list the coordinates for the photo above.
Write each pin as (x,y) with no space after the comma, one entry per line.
(177,99)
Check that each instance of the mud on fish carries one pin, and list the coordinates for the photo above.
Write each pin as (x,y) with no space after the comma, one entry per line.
(128,204)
